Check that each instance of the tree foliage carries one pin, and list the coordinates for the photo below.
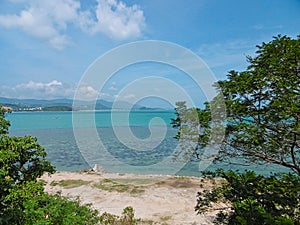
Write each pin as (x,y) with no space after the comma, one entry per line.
(23,200)
(254,199)
(262,108)
(22,197)
(22,160)
(192,133)
(127,218)
(263,126)
(28,204)
(263,105)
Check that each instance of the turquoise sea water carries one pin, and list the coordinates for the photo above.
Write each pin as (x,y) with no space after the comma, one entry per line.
(54,131)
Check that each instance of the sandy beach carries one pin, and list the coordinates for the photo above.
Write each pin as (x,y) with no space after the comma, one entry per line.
(156,199)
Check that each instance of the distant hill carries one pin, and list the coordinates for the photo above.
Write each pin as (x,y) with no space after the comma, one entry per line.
(56,108)
(35,102)
(65,105)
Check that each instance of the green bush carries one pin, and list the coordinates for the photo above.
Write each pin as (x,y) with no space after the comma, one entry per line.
(254,199)
(127,218)
(30,205)
(23,200)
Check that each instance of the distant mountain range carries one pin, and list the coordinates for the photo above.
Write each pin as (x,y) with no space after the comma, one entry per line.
(66,105)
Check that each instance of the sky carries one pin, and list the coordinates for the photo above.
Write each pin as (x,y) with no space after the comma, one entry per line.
(47,46)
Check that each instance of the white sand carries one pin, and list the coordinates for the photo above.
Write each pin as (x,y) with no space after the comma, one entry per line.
(161,199)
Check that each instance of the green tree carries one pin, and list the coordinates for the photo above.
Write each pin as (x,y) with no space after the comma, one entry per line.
(22,197)
(127,218)
(254,199)
(189,134)
(263,105)
(262,109)
(22,160)
(23,200)
(263,126)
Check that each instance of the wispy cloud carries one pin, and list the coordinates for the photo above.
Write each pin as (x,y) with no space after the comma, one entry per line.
(268,27)
(50,20)
(225,56)
(85,92)
(52,90)
(39,90)
(113,87)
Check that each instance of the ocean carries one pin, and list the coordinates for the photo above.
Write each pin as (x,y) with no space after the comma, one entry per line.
(139,142)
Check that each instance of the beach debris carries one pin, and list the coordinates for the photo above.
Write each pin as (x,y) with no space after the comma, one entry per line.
(98,169)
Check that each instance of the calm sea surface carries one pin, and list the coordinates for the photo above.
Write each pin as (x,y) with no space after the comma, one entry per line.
(54,131)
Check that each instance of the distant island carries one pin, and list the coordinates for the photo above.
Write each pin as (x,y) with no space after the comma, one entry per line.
(33,105)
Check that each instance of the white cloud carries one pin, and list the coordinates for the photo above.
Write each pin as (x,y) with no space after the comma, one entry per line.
(106,97)
(52,90)
(113,87)
(39,85)
(45,20)
(129,96)
(59,42)
(49,20)
(118,20)
(38,90)
(86,93)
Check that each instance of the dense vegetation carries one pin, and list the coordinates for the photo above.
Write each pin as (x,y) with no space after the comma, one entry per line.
(263,126)
(253,199)
(23,200)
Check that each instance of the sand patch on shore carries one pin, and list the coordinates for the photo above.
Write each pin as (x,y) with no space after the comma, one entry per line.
(157,199)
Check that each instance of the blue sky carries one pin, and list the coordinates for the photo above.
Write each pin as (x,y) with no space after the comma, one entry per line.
(47,45)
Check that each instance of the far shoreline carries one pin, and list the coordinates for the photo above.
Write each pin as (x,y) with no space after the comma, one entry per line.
(97,110)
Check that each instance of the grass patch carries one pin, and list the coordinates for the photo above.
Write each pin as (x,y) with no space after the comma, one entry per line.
(109,185)
(70,183)
(116,185)
(179,182)
(136,181)
(165,218)
(53,183)
(136,191)
(147,222)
